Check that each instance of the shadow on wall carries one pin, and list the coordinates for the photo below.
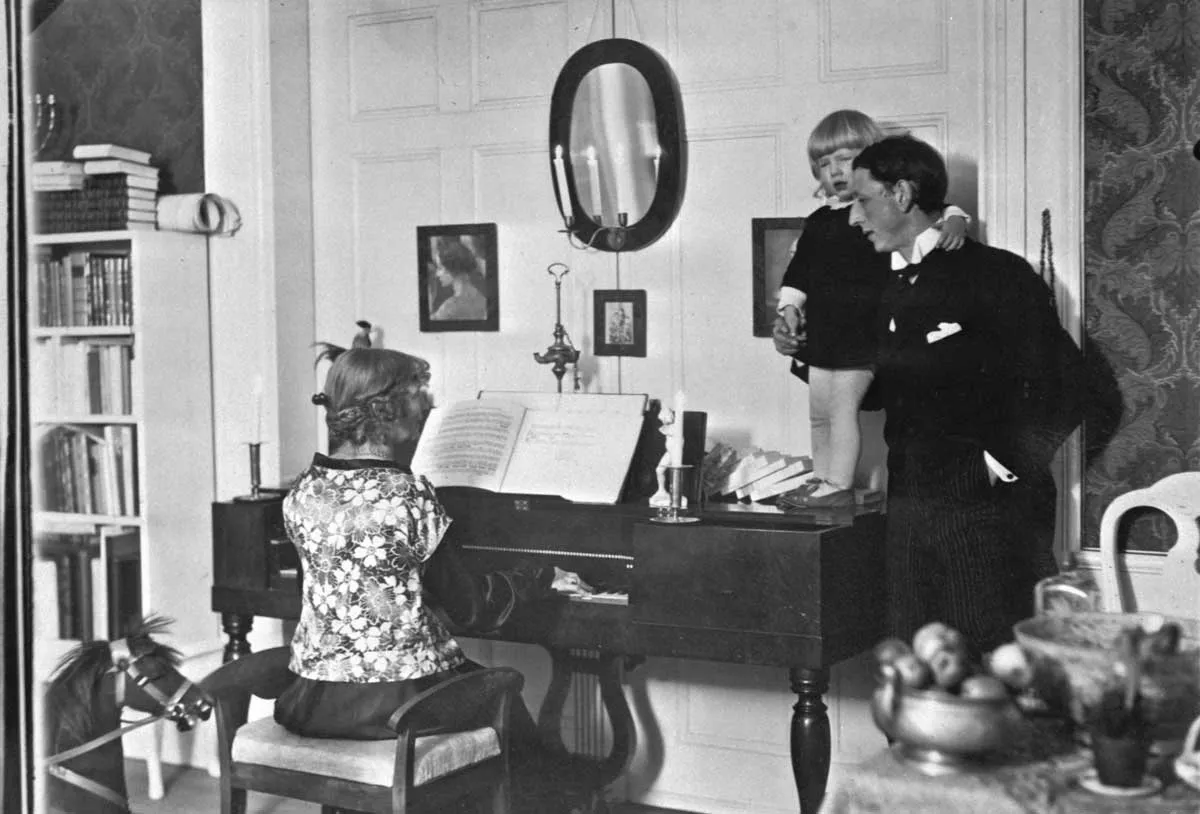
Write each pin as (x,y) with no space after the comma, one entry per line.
(963,190)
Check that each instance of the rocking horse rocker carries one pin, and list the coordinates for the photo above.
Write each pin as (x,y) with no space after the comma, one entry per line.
(85,770)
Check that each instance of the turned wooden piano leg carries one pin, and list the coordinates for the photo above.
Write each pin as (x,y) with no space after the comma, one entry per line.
(810,736)
(236,627)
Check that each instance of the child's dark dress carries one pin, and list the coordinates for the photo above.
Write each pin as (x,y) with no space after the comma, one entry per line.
(842,276)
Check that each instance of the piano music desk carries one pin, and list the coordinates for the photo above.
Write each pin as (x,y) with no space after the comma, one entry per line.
(742,586)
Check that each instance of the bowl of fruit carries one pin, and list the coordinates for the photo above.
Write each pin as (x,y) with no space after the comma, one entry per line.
(1075,657)
(942,711)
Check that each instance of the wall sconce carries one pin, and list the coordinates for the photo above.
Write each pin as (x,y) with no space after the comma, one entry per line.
(613,237)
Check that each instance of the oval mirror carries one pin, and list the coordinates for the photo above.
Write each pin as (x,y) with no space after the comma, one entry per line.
(617,150)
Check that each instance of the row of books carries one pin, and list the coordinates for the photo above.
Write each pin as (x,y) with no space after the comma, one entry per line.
(83,288)
(87,470)
(73,560)
(97,578)
(112,188)
(93,378)
(90,159)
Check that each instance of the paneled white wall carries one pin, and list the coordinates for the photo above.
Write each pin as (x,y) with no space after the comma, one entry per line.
(436,112)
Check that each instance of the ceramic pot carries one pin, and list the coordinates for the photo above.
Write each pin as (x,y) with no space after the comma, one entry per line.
(1119,761)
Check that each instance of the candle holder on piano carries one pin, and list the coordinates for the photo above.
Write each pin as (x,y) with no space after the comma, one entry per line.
(676,485)
(257,493)
(562,352)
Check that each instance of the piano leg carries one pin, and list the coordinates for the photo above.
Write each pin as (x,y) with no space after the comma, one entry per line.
(606,668)
(236,626)
(810,742)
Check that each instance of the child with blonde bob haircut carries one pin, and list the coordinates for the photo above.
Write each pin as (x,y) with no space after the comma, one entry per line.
(827,304)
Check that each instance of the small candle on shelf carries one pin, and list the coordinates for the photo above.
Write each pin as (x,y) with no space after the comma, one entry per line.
(657,155)
(594,182)
(258,409)
(560,177)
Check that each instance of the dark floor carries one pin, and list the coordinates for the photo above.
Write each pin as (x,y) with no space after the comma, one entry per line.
(193,791)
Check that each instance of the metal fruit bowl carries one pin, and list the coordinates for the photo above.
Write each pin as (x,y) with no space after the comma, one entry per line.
(1073,658)
(938,731)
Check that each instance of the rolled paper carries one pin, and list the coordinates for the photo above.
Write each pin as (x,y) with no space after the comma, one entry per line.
(204,213)
(560,177)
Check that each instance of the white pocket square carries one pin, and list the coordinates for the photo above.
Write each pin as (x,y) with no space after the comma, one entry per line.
(944,329)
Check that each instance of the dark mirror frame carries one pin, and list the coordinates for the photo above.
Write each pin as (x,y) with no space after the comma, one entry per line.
(668,114)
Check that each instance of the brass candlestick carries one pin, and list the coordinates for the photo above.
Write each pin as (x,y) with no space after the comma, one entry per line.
(676,479)
(257,493)
(562,352)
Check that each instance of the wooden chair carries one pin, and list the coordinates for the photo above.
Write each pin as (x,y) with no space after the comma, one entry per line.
(1178,592)
(452,742)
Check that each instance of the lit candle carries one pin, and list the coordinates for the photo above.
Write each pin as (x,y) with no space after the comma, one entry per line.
(560,177)
(594,182)
(258,409)
(657,156)
(618,164)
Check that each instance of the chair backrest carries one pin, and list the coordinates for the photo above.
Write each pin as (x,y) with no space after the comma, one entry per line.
(1178,591)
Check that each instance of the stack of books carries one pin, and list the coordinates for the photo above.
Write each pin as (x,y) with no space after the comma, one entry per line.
(51,176)
(119,191)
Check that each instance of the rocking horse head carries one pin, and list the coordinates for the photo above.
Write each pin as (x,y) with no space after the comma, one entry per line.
(83,703)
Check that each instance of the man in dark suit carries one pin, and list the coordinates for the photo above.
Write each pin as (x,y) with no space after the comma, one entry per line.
(980,384)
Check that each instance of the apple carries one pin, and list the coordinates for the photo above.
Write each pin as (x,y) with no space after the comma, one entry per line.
(913,672)
(1009,664)
(949,667)
(983,687)
(887,650)
(936,636)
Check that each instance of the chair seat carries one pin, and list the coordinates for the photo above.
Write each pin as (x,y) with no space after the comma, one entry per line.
(266,743)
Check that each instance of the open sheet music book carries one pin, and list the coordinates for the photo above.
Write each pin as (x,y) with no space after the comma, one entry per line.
(578,448)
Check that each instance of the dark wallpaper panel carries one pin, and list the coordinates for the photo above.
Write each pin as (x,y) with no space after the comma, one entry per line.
(1142,245)
(126,72)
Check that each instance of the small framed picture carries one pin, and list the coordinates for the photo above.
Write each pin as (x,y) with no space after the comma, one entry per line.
(457,274)
(619,323)
(773,247)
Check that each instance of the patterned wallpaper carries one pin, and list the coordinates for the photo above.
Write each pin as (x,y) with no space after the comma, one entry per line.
(126,72)
(1142,246)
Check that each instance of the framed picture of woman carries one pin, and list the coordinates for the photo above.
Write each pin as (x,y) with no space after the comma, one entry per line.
(774,243)
(619,323)
(458,277)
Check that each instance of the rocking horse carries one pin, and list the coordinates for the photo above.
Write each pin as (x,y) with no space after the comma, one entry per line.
(85,769)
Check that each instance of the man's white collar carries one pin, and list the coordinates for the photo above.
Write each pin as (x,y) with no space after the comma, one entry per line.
(923,245)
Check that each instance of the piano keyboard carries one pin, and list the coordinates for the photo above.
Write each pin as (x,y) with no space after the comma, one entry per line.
(599,598)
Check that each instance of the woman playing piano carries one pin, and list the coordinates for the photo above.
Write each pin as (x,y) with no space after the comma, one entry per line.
(371,536)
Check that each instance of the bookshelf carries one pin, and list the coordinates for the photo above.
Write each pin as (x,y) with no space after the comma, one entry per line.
(122,414)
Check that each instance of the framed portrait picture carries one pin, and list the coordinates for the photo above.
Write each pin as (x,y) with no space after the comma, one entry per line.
(619,323)
(774,244)
(457,274)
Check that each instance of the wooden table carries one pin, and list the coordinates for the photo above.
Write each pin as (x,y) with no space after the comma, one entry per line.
(1040,775)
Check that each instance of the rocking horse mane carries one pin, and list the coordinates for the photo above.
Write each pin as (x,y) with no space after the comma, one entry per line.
(76,680)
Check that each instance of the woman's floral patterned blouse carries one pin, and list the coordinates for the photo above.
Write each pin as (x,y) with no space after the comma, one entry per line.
(364,530)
